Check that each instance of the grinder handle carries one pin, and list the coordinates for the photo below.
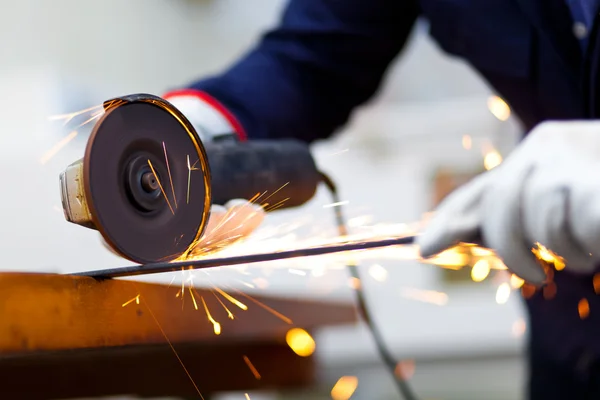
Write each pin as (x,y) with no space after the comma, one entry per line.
(282,171)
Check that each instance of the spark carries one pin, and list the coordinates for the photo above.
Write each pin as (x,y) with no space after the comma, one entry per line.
(232,299)
(300,341)
(169,171)
(226,218)
(527,291)
(492,159)
(70,116)
(251,286)
(498,108)
(252,368)
(344,388)
(503,293)
(247,396)
(193,298)
(272,194)
(266,307)
(160,186)
(481,252)
(178,240)
(297,272)
(277,205)
(172,347)
(452,258)
(519,327)
(229,313)
(547,255)
(181,292)
(190,169)
(261,283)
(596,282)
(216,325)
(405,369)
(425,296)
(339,152)
(516,282)
(336,204)
(480,270)
(584,308)
(466,142)
(378,273)
(93,117)
(57,147)
(242,270)
(286,237)
(354,283)
(255,197)
(360,221)
(136,299)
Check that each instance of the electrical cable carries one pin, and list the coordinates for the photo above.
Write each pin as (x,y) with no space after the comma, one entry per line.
(402,385)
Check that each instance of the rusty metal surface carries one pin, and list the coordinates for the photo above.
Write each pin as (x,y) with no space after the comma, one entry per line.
(47,312)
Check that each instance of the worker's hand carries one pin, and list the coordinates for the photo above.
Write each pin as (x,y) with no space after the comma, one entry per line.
(546,192)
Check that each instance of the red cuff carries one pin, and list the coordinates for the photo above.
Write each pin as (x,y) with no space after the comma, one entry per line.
(239,130)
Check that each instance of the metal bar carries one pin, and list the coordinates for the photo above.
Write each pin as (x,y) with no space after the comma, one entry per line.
(162,267)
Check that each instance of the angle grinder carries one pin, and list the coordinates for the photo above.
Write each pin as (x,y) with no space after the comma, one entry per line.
(147,182)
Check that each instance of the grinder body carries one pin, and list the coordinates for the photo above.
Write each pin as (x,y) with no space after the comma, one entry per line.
(279,173)
(135,196)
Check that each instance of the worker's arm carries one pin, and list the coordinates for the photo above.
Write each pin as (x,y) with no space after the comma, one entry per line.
(304,77)
(545,192)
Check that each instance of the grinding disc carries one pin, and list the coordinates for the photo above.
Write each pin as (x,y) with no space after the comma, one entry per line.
(149,206)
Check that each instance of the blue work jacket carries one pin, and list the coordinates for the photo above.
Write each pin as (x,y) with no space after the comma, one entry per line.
(326,57)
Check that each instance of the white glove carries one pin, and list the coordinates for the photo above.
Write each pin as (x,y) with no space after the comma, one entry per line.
(545,192)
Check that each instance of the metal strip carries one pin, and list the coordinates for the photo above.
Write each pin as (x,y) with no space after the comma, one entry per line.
(162,267)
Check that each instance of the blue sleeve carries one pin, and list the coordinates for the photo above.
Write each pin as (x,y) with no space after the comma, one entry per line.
(304,77)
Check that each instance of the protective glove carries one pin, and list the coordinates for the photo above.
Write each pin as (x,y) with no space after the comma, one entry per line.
(545,192)
(238,218)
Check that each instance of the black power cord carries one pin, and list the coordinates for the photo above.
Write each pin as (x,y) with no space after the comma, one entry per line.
(389,360)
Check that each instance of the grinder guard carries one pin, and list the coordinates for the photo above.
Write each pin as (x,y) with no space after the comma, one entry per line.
(114,189)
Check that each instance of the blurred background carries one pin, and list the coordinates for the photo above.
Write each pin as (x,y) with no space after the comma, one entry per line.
(458,332)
